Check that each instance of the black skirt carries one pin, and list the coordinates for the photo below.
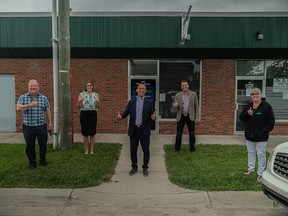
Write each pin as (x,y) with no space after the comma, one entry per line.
(88,120)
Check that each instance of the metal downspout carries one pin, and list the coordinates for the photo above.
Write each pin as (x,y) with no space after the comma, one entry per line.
(55,73)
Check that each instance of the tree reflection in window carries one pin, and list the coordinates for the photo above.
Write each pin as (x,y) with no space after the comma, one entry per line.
(277,69)
(250,68)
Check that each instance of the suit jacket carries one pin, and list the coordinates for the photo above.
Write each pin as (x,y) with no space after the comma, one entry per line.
(193,108)
(148,110)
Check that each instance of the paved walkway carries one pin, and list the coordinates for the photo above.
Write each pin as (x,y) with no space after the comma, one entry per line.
(137,195)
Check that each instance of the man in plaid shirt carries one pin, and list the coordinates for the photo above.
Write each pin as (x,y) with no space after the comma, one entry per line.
(34,106)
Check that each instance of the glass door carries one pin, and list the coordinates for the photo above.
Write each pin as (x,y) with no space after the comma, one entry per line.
(145,72)
(244,86)
(151,92)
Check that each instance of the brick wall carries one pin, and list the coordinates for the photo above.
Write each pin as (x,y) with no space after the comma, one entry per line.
(281,128)
(110,78)
(218,97)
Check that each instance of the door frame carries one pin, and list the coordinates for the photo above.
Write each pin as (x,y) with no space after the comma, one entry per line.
(148,77)
(237,104)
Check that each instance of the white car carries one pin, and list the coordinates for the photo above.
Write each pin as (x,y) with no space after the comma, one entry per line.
(275,177)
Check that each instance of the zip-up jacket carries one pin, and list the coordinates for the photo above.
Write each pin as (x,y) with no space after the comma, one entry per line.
(258,125)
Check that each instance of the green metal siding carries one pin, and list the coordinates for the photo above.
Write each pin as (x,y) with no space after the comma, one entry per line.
(25,32)
(148,32)
(130,32)
(238,32)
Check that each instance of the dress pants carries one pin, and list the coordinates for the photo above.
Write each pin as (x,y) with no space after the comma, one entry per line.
(191,129)
(144,140)
(30,135)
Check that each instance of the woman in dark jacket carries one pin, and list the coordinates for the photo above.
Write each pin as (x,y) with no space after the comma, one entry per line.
(259,120)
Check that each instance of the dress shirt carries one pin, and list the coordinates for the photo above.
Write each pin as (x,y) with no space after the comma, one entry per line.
(185,103)
(139,111)
(89,103)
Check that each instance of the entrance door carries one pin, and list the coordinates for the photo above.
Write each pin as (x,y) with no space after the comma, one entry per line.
(244,87)
(146,72)
(7,105)
(150,84)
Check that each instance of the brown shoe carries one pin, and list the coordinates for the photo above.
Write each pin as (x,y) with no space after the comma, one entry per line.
(259,179)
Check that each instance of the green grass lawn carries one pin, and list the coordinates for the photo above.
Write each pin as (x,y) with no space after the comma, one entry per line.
(68,168)
(211,168)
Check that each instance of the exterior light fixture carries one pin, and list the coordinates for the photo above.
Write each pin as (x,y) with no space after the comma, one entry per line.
(259,35)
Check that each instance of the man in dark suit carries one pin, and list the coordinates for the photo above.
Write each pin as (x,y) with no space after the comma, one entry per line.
(141,111)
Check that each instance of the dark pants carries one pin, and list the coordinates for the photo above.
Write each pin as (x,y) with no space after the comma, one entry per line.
(145,143)
(30,135)
(191,129)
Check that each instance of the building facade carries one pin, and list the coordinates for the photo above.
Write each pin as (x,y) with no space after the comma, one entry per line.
(222,55)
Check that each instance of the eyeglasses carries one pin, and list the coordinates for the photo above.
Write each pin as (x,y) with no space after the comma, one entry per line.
(254,94)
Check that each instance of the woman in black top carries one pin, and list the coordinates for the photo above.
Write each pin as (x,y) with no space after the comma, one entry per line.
(259,120)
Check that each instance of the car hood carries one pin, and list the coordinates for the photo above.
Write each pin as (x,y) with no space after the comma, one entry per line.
(283,147)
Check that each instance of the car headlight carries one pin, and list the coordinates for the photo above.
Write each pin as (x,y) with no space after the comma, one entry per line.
(270,156)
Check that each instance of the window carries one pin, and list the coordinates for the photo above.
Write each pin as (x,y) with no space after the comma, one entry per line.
(277,87)
(171,74)
(274,73)
(250,68)
(143,68)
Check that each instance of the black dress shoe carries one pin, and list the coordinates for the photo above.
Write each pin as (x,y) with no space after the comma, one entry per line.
(33,166)
(43,163)
(145,172)
(133,171)
(193,150)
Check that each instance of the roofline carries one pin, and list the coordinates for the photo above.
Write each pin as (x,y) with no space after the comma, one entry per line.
(153,13)
(180,13)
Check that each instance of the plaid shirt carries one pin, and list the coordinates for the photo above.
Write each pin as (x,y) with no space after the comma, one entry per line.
(34,116)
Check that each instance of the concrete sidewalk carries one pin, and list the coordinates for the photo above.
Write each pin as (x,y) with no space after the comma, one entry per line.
(137,195)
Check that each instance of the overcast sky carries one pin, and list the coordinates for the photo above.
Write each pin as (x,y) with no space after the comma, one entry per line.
(147,5)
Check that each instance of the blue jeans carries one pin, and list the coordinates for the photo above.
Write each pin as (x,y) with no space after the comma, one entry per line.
(191,129)
(30,135)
